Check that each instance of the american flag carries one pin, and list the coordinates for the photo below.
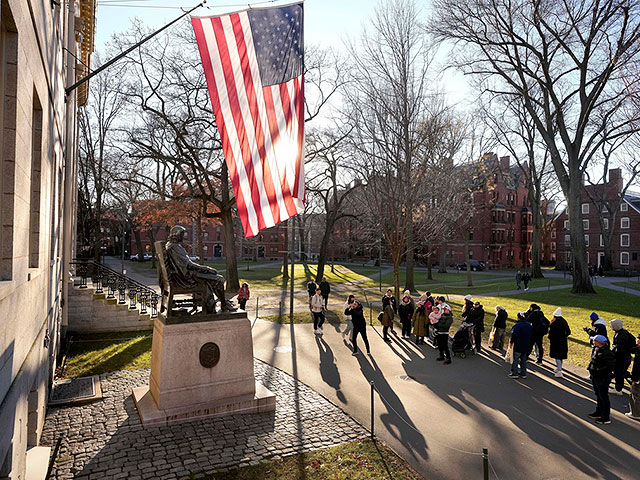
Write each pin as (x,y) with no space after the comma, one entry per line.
(253,62)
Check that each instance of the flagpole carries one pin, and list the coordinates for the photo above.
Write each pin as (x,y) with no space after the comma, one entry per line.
(85,79)
(292,233)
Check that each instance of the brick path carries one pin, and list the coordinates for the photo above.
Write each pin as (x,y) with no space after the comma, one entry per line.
(105,439)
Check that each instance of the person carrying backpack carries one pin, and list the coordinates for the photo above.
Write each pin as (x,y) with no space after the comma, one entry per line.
(540,328)
(623,345)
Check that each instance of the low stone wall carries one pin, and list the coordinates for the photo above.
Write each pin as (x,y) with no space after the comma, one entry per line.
(93,313)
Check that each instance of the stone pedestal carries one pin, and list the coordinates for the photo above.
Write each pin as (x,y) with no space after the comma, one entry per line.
(201,366)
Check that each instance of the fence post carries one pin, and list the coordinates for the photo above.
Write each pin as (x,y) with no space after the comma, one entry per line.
(280,310)
(257,300)
(485,463)
(372,414)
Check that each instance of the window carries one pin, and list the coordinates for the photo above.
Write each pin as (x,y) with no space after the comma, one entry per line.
(8,120)
(586,240)
(623,207)
(624,258)
(206,248)
(470,254)
(585,224)
(585,208)
(624,222)
(35,180)
(553,246)
(567,239)
(471,235)
(605,209)
(566,224)
(553,234)
(606,223)
(601,241)
(624,240)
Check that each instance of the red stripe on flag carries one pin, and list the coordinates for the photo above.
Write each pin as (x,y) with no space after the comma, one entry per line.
(232,93)
(224,136)
(255,116)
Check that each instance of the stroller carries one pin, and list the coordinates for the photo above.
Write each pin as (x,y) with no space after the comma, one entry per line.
(463,340)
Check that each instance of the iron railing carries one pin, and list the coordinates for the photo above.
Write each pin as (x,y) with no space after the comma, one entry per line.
(117,285)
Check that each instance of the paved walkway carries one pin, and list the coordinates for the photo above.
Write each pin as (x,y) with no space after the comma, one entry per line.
(105,440)
(439,417)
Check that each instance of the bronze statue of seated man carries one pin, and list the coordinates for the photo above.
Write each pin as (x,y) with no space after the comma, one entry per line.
(182,271)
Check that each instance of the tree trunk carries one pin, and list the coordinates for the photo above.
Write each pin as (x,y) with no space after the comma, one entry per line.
(152,237)
(396,277)
(285,257)
(607,240)
(233,282)
(410,283)
(443,258)
(581,278)
(429,265)
(536,271)
(467,258)
(324,249)
(303,244)
(136,234)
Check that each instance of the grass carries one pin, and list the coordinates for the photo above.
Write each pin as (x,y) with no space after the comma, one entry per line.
(357,460)
(271,277)
(420,278)
(495,286)
(609,304)
(635,285)
(100,353)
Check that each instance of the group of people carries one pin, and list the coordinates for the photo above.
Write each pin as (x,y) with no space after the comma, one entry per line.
(523,278)
(432,317)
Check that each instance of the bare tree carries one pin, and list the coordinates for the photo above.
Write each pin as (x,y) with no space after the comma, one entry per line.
(566,62)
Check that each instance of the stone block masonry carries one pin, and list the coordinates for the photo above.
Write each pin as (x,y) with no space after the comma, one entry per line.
(106,439)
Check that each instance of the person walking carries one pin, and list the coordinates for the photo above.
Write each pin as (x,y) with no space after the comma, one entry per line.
(355,311)
(347,317)
(540,326)
(405,311)
(311,290)
(467,307)
(325,288)
(442,334)
(243,295)
(601,371)
(420,320)
(518,280)
(526,278)
(317,308)
(519,345)
(559,332)
(476,316)
(498,329)
(390,299)
(598,326)
(386,320)
(634,396)
(622,345)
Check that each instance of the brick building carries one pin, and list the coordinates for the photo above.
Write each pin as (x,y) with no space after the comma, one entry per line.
(39,44)
(625,226)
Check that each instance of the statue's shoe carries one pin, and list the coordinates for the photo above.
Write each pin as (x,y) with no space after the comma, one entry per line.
(227,306)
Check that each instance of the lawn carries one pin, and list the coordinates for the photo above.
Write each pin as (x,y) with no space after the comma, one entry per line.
(271,277)
(100,353)
(357,460)
(480,287)
(634,285)
(420,278)
(609,304)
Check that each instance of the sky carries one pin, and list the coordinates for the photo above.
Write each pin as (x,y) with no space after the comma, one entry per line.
(328,23)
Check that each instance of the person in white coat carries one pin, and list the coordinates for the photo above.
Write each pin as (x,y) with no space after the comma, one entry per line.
(317,309)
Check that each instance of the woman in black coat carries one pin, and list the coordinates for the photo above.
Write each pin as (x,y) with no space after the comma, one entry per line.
(559,332)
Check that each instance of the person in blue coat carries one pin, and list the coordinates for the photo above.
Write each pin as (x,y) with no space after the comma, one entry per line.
(520,344)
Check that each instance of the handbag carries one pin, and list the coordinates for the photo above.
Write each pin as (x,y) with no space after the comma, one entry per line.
(380,316)
(508,357)
(492,335)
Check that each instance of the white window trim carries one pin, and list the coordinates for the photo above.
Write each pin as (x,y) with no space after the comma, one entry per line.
(621,255)
(585,208)
(606,223)
(628,237)
(566,224)
(624,207)
(622,220)
(585,224)
(586,240)
(601,241)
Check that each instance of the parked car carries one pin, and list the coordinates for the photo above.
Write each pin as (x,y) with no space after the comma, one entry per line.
(145,257)
(476,265)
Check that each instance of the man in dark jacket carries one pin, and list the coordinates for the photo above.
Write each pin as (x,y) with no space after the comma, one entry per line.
(359,325)
(390,299)
(520,344)
(601,371)
(476,316)
(599,326)
(634,396)
(442,334)
(311,289)
(325,288)
(540,327)
(623,344)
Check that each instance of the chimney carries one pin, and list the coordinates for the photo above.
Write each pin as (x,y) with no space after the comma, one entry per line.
(615,180)
(504,163)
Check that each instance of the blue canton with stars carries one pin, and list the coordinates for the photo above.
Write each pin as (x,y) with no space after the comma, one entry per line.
(278,42)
